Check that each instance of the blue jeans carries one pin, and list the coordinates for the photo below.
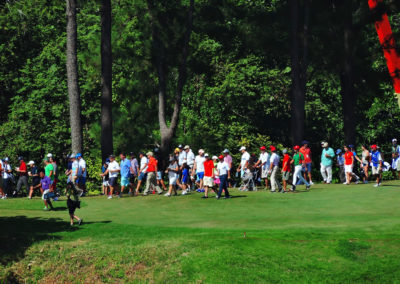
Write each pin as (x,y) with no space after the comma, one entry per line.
(223,185)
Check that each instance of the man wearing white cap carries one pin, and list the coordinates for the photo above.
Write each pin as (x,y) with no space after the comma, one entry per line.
(326,162)
(198,168)
(264,163)
(208,174)
(395,158)
(228,159)
(244,161)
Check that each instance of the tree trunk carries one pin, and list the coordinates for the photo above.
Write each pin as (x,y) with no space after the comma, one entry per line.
(168,132)
(72,75)
(106,80)
(298,98)
(349,98)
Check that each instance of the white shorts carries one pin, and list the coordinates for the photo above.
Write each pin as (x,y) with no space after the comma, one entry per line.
(348,168)
(208,181)
(105,183)
(172,180)
(264,173)
(376,170)
(45,193)
(398,164)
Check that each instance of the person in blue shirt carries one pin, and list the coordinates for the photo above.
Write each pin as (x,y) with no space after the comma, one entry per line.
(106,186)
(125,166)
(377,162)
(326,162)
(340,163)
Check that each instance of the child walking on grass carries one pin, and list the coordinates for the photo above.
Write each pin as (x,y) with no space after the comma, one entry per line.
(73,204)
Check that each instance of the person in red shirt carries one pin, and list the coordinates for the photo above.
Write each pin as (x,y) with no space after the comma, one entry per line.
(151,181)
(306,151)
(348,164)
(208,180)
(285,168)
(23,175)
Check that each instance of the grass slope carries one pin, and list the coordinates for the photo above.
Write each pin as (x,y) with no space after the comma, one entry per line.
(330,234)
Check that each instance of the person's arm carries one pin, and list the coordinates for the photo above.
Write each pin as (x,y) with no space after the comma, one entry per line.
(51,174)
(105,173)
(229,171)
(358,159)
(194,168)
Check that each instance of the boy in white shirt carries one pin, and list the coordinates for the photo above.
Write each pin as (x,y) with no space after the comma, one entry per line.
(112,171)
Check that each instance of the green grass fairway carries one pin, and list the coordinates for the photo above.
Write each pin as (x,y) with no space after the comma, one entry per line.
(331,234)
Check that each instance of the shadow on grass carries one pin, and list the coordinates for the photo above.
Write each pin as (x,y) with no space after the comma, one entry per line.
(20,232)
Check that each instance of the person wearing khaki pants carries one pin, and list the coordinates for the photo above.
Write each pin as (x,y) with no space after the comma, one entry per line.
(274,169)
(151,181)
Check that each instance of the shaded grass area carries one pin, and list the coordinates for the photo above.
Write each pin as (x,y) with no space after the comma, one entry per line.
(330,234)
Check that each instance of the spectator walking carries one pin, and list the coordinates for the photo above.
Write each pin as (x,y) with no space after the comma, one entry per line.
(7,175)
(34,174)
(112,171)
(340,164)
(285,169)
(82,172)
(365,160)
(264,163)
(142,171)
(395,159)
(172,171)
(377,163)
(45,183)
(151,182)
(244,161)
(299,163)
(224,174)
(326,162)
(134,170)
(105,185)
(348,164)
(306,151)
(208,175)
(23,175)
(125,168)
(274,169)
(198,169)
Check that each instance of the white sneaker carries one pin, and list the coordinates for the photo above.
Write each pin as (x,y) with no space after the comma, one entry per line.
(311,183)
(167,194)
(345,183)
(109,197)
(357,181)
(4,197)
(184,192)
(377,184)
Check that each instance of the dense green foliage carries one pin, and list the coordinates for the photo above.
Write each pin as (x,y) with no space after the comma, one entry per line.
(331,234)
(238,88)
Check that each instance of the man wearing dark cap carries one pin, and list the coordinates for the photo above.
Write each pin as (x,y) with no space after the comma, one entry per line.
(23,175)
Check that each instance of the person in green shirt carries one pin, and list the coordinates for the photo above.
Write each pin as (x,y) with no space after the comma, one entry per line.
(326,162)
(49,169)
(299,163)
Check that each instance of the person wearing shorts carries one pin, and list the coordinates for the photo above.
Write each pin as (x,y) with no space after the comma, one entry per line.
(395,159)
(34,174)
(264,163)
(112,171)
(142,171)
(198,169)
(224,174)
(377,161)
(45,184)
(82,172)
(244,161)
(208,174)
(274,169)
(348,164)
(285,169)
(125,167)
(172,171)
(185,178)
(306,151)
(151,180)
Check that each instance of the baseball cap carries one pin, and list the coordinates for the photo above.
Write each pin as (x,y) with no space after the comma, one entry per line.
(226,151)
(72,156)
(20,158)
(206,155)
(214,157)
(297,147)
(149,154)
(272,148)
(186,147)
(177,150)
(201,151)
(220,157)
(107,160)
(131,154)
(111,156)
(394,140)
(31,163)
(242,148)
(338,151)
(284,151)
(263,148)
(180,146)
(78,155)
(171,158)
(374,147)
(325,144)
(305,142)
(351,146)
(49,155)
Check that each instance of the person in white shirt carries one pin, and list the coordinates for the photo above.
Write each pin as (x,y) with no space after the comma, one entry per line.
(3,195)
(6,177)
(112,171)
(224,174)
(81,181)
(181,157)
(244,161)
(274,169)
(142,171)
(189,157)
(198,168)
(264,163)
